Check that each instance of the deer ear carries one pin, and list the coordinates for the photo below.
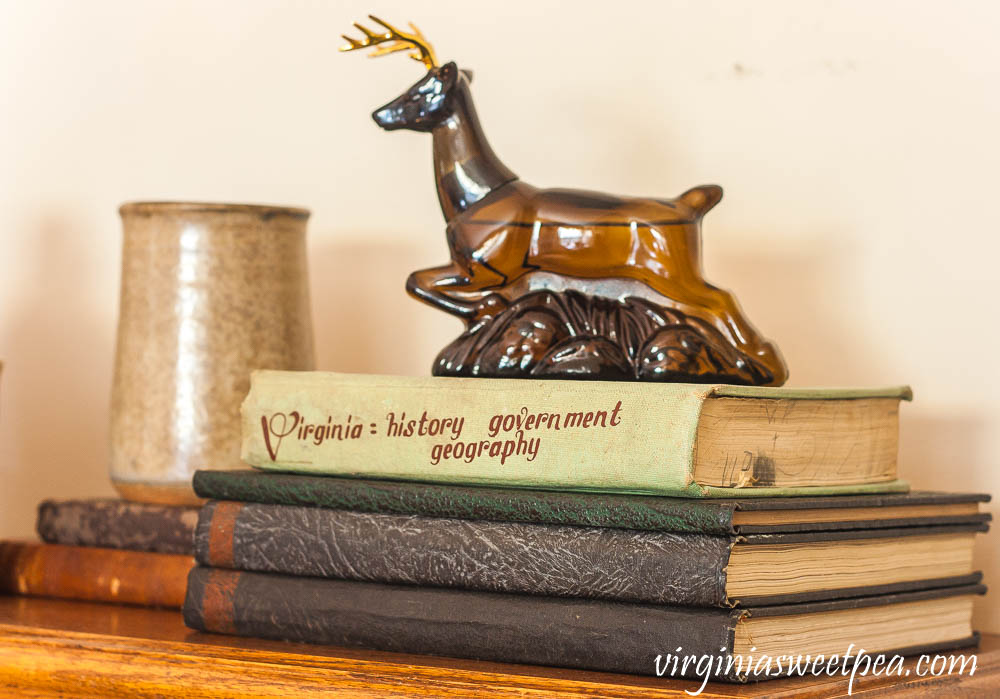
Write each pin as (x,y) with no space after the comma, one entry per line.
(467,73)
(448,75)
(702,198)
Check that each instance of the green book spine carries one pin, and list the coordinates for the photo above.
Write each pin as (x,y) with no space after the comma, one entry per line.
(623,437)
(468,502)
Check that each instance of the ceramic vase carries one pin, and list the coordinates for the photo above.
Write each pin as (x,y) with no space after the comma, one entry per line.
(209,293)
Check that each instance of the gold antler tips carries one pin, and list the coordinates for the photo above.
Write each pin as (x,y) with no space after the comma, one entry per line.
(400,41)
(364,30)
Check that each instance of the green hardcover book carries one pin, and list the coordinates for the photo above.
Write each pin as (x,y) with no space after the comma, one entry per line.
(688,440)
(716,516)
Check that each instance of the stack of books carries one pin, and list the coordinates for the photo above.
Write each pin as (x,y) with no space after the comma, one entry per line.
(640,526)
(104,550)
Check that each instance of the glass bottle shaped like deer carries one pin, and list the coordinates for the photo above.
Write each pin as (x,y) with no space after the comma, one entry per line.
(563,283)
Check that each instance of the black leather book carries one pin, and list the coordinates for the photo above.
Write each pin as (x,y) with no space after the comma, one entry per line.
(587,634)
(751,515)
(590,562)
(118,524)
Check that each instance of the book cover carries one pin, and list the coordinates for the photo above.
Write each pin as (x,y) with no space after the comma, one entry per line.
(719,516)
(599,563)
(585,634)
(624,437)
(118,524)
(93,574)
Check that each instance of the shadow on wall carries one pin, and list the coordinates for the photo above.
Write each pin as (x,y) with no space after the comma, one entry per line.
(364,320)
(943,451)
(801,298)
(949,452)
(56,382)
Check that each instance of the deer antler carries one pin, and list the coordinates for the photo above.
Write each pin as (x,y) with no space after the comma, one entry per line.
(402,41)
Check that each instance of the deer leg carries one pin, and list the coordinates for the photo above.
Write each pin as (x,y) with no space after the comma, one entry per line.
(710,302)
(739,327)
(749,340)
(701,297)
(431,286)
(425,285)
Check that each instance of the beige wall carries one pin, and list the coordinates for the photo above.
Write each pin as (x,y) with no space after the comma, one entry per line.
(856,140)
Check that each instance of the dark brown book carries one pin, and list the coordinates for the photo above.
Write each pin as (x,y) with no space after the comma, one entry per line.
(599,563)
(95,574)
(751,515)
(587,634)
(118,524)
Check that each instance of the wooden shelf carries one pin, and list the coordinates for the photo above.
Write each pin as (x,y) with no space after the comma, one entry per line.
(64,648)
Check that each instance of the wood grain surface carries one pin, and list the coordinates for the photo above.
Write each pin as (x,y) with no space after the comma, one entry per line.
(64,648)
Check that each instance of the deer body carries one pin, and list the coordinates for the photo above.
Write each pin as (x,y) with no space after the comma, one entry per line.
(521,230)
(507,238)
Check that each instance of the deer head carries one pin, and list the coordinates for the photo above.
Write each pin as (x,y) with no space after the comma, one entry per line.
(431,99)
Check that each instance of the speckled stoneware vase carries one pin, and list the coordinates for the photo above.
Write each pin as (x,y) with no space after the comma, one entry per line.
(209,292)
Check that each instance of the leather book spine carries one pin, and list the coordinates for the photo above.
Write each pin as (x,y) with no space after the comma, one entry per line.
(465,502)
(93,574)
(586,634)
(118,524)
(615,564)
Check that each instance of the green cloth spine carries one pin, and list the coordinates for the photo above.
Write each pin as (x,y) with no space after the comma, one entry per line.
(468,502)
(617,437)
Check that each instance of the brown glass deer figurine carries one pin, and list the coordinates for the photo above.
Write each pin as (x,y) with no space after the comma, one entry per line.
(563,283)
